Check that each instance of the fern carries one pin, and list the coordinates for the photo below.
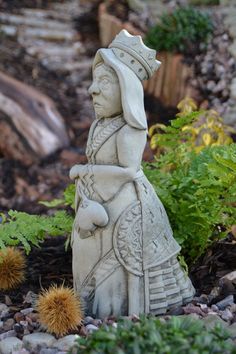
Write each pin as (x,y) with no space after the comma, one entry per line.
(26,229)
(196,186)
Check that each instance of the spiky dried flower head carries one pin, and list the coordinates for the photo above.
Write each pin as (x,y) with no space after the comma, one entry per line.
(59,309)
(12,268)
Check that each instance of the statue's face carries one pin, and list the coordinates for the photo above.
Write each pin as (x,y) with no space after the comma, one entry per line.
(105,91)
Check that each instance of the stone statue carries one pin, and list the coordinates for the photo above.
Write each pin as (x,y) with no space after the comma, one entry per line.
(124,254)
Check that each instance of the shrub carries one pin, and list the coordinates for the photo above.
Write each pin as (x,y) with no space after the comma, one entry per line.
(184,31)
(152,336)
(197,184)
(204,2)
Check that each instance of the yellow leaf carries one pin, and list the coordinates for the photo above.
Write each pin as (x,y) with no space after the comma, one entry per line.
(187,105)
(206,139)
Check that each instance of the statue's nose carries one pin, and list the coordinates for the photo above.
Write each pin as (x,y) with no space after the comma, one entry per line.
(94,88)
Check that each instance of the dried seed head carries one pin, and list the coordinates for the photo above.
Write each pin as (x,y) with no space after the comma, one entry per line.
(12,268)
(59,309)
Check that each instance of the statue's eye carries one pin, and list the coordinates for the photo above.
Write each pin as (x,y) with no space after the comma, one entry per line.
(105,81)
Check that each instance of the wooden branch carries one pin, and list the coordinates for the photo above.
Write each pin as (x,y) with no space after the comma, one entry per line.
(31,128)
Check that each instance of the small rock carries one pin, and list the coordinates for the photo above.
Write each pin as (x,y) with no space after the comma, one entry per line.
(214,308)
(88,320)
(31,298)
(215,292)
(9,344)
(114,324)
(190,308)
(4,310)
(233,308)
(8,301)
(97,322)
(210,85)
(24,324)
(19,317)
(91,328)
(229,300)
(66,343)
(21,351)
(33,316)
(226,315)
(83,332)
(19,329)
(48,351)
(27,310)
(176,311)
(232,330)
(8,324)
(4,335)
(212,320)
(34,339)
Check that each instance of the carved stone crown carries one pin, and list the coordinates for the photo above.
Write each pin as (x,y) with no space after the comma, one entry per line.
(135,54)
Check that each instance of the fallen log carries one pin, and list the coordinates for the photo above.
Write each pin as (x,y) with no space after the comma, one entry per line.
(31,128)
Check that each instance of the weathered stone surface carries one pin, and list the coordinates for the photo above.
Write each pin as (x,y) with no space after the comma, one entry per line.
(66,342)
(34,339)
(8,345)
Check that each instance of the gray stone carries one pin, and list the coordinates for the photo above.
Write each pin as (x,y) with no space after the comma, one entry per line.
(88,320)
(27,310)
(91,328)
(9,344)
(8,324)
(48,351)
(10,333)
(34,339)
(4,310)
(232,275)
(232,330)
(232,49)
(232,31)
(229,300)
(226,315)
(66,342)
(212,320)
(21,351)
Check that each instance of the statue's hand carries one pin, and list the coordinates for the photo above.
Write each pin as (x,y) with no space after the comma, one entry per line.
(75,172)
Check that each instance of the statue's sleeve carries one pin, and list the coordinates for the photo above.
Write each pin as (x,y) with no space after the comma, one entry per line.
(130,146)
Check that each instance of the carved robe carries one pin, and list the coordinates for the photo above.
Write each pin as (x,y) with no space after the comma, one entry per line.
(128,266)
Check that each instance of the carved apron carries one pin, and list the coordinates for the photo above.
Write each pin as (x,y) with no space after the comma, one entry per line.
(133,258)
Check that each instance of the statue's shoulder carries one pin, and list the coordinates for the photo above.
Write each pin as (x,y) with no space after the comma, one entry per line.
(127,131)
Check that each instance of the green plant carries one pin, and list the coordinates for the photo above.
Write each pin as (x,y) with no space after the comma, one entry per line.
(204,2)
(26,229)
(184,31)
(198,189)
(150,335)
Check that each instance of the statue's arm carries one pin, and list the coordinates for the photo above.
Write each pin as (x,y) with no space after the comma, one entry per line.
(130,146)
